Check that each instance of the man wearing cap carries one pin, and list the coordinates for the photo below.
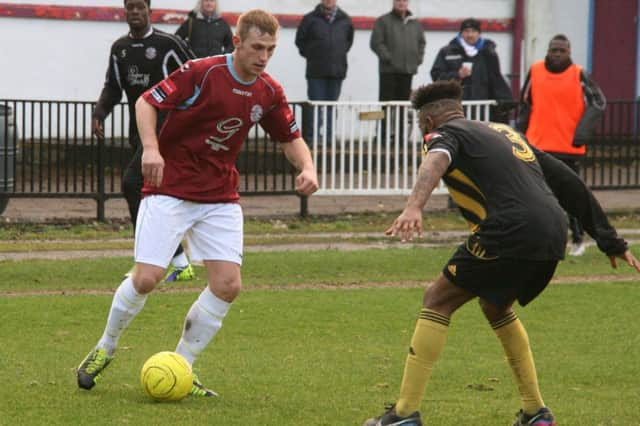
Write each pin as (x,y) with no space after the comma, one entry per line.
(473,60)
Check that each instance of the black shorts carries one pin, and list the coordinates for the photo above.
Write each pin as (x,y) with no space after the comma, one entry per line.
(499,281)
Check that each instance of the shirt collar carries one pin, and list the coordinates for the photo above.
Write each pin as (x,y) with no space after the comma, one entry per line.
(147,34)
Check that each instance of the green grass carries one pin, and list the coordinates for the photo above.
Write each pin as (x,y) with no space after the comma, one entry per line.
(318,357)
(310,356)
(280,268)
(346,223)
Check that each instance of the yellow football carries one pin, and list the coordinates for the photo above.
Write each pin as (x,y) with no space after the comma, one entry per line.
(166,376)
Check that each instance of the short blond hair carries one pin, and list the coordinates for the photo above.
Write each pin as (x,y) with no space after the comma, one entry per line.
(262,20)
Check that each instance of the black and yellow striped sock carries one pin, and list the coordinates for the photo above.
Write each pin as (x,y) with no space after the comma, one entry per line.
(515,343)
(427,343)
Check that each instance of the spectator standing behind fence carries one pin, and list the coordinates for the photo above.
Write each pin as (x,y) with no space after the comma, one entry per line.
(473,60)
(398,41)
(206,31)
(137,61)
(324,37)
(560,107)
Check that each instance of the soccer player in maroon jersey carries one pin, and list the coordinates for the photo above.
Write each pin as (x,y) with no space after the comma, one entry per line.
(191,182)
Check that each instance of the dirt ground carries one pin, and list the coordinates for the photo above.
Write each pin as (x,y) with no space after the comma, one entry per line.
(57,209)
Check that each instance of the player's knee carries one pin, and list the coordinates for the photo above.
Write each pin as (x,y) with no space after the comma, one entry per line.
(226,288)
(145,279)
(493,312)
(444,297)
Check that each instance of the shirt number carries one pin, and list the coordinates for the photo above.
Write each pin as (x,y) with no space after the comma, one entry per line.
(520,149)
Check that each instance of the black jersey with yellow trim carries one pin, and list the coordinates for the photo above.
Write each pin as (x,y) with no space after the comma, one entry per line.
(137,64)
(498,185)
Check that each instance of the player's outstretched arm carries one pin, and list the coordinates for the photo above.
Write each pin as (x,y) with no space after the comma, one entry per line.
(299,155)
(152,161)
(578,200)
(431,171)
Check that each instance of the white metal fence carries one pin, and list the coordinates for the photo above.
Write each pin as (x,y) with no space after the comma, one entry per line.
(372,148)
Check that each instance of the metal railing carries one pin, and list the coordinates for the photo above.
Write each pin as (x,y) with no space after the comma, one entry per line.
(47,150)
(370,148)
(359,148)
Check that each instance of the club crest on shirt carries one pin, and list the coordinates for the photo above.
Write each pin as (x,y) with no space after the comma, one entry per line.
(256,113)
(150,53)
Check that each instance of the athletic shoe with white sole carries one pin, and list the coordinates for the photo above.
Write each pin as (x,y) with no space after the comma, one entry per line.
(577,249)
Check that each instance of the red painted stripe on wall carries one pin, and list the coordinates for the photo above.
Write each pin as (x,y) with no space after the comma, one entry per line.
(174,16)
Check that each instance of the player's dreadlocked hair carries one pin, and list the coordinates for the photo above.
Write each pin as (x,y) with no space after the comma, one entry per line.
(441,92)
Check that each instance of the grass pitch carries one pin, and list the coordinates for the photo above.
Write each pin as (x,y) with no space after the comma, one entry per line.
(289,354)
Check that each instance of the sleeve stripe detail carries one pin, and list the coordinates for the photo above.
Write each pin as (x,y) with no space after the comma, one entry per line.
(441,150)
(116,71)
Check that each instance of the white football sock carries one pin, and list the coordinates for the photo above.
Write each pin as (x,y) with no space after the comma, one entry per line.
(201,324)
(180,261)
(127,302)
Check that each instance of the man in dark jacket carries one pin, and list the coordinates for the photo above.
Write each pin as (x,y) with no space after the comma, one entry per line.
(472,60)
(398,41)
(206,31)
(324,37)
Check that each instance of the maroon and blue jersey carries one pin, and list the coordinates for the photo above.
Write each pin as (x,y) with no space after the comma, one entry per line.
(211,111)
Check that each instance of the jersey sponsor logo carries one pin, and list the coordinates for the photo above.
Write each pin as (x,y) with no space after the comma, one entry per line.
(150,53)
(162,90)
(242,92)
(136,78)
(293,126)
(226,129)
(158,94)
(168,86)
(256,113)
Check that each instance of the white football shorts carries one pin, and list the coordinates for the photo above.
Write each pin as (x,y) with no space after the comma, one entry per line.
(212,231)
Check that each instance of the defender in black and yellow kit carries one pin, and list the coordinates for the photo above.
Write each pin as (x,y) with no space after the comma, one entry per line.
(512,196)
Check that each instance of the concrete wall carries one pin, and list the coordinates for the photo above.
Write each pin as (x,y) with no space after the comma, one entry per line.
(63,59)
(546,18)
